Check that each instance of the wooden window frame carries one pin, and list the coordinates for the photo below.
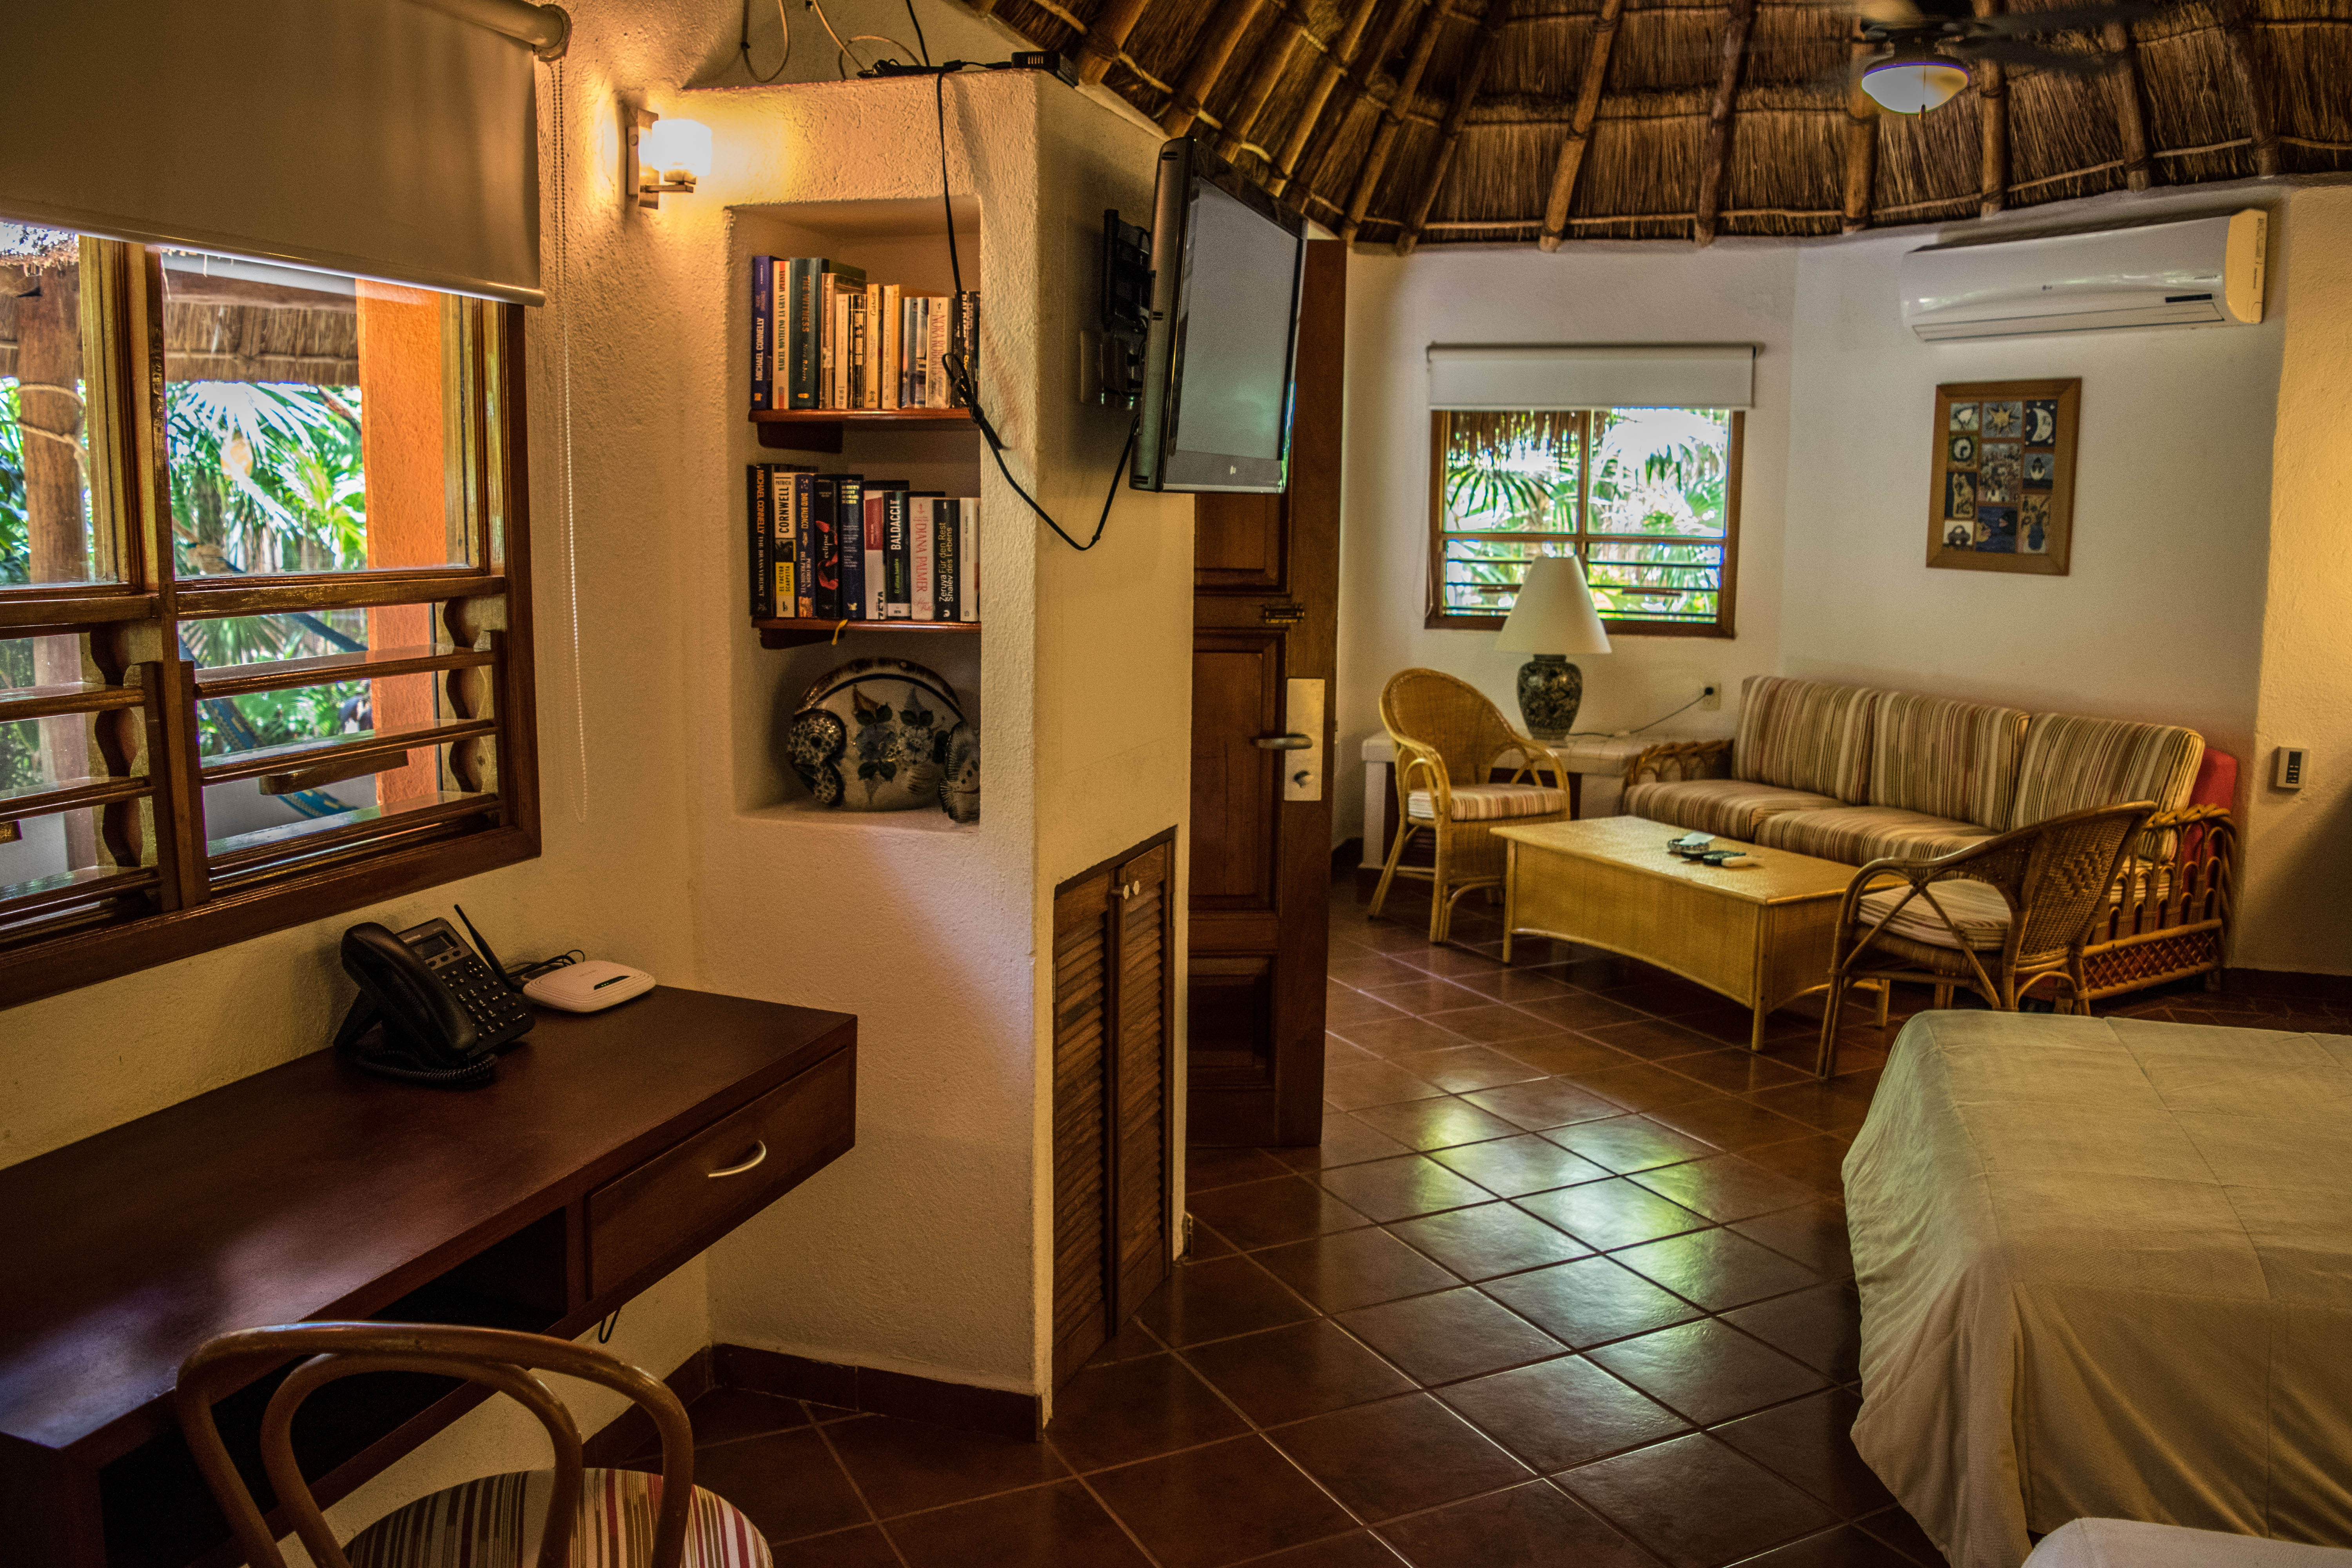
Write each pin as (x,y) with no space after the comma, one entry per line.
(1436,618)
(180,900)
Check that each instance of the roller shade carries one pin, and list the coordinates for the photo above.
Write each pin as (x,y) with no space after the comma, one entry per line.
(1502,376)
(390,139)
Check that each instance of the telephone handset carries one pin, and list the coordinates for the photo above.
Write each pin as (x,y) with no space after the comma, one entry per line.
(445,1013)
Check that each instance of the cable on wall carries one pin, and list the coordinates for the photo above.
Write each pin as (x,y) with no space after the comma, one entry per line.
(743,46)
(563,427)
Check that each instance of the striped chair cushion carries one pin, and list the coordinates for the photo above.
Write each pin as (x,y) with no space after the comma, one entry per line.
(1488,803)
(1856,834)
(1946,759)
(1976,908)
(495,1522)
(1731,807)
(1805,736)
(2073,764)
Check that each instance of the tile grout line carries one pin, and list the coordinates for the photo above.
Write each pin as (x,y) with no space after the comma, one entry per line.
(858,1492)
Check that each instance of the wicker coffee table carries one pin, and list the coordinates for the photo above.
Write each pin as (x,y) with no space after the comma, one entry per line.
(1758,932)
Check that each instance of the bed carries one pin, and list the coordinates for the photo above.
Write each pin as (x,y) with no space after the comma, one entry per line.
(2106,1270)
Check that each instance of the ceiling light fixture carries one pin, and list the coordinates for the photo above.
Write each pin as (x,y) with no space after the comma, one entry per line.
(1912,81)
(661,157)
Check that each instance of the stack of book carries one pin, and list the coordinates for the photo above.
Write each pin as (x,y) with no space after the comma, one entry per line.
(841,547)
(823,337)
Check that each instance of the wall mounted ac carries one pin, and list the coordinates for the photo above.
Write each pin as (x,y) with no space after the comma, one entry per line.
(2204,271)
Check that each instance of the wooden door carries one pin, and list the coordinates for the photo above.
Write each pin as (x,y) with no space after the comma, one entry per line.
(1114,1056)
(1265,642)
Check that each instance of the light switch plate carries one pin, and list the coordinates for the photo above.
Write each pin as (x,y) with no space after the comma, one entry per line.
(2286,772)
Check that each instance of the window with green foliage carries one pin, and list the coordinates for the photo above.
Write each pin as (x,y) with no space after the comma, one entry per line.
(1647,498)
(264,629)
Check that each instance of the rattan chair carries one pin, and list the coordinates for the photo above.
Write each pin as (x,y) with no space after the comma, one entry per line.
(623,1519)
(1449,738)
(1997,917)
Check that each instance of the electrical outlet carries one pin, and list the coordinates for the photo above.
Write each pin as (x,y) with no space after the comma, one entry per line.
(1710,697)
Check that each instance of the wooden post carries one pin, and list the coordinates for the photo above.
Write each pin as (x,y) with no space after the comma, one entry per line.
(1384,141)
(1861,146)
(403,456)
(1216,47)
(2131,114)
(2238,33)
(1099,49)
(1715,160)
(1272,61)
(1992,125)
(1570,163)
(1466,93)
(50,416)
(1334,64)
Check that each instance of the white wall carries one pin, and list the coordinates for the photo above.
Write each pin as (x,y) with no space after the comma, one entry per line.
(2299,843)
(1596,293)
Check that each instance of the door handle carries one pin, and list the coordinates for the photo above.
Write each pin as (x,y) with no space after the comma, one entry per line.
(1283,742)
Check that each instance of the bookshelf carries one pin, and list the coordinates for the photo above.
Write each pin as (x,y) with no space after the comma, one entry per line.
(797,632)
(820,429)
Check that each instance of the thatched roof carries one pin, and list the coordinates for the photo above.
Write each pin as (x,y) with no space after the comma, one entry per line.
(1433,122)
(225,328)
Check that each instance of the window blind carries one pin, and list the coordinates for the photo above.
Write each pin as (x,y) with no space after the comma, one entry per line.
(390,139)
(1506,377)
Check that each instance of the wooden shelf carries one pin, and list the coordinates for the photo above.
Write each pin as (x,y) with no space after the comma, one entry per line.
(819,429)
(800,633)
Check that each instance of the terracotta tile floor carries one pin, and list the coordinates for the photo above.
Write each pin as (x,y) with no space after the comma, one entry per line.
(1566,1282)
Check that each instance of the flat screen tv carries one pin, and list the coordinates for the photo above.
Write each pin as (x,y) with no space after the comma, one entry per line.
(1226,266)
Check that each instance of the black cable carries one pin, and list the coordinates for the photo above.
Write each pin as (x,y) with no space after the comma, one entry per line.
(743,46)
(959,374)
(919,42)
(605,1330)
(1612,734)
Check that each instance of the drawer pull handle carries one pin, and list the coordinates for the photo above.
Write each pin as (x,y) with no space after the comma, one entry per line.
(759,1152)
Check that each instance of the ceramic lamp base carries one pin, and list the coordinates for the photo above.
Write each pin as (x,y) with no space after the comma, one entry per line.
(1550,691)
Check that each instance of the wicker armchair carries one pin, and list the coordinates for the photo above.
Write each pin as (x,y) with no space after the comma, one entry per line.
(1449,738)
(1997,917)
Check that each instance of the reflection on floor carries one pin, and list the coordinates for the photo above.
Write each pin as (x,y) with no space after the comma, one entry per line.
(1566,1283)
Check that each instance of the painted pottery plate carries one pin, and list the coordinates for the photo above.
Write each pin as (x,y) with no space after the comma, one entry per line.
(873,735)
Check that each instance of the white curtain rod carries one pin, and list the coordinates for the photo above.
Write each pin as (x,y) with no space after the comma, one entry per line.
(546,29)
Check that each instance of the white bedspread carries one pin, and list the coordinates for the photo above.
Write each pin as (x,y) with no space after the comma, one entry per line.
(2107,1271)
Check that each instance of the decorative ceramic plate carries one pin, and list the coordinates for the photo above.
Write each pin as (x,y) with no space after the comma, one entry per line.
(873,736)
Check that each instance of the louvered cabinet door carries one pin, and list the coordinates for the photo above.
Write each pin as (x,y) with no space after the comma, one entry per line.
(1082,999)
(1142,1223)
(1113,1060)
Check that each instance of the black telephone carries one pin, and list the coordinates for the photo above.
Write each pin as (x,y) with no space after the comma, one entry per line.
(445,1013)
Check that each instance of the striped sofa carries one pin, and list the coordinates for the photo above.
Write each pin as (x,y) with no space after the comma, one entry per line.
(1855,773)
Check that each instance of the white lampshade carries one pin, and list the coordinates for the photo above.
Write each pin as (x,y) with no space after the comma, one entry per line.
(1554,614)
(1914,83)
(677,150)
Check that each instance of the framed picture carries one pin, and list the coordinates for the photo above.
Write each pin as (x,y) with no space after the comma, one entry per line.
(2004,497)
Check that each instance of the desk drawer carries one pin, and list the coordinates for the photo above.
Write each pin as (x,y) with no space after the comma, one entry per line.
(678,1202)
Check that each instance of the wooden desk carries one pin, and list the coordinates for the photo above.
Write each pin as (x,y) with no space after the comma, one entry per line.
(541,1202)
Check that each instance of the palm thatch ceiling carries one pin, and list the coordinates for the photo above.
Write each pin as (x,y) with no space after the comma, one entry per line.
(1495,121)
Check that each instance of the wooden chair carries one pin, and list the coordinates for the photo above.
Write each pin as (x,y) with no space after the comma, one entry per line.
(1449,738)
(1996,917)
(612,1519)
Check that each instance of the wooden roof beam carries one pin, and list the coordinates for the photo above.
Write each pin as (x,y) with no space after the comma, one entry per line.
(1715,161)
(1861,145)
(1466,93)
(1216,49)
(1570,163)
(1357,83)
(1272,61)
(1384,141)
(2131,109)
(1336,61)
(1099,49)
(2238,35)
(1991,82)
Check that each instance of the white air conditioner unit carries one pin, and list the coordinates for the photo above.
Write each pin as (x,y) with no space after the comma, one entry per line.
(2205,271)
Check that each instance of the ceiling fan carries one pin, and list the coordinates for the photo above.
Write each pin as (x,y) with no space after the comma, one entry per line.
(1929,45)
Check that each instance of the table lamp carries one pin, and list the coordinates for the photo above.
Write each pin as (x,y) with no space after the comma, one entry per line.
(1554,617)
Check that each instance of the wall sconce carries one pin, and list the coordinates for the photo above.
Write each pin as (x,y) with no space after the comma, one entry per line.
(661,156)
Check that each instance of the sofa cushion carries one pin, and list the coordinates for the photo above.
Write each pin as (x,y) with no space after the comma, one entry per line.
(1490,802)
(1805,736)
(2072,763)
(1948,759)
(1856,834)
(1732,807)
(1976,908)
